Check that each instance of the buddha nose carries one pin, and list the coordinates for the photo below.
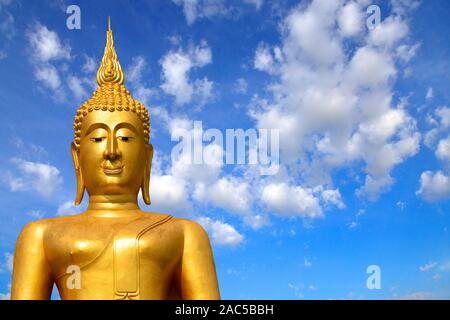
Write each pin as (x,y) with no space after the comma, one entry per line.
(112,151)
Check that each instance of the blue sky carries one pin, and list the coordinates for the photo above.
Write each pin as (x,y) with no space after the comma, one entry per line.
(363,117)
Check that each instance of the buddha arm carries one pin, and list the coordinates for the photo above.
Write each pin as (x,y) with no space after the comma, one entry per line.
(198,272)
(31,274)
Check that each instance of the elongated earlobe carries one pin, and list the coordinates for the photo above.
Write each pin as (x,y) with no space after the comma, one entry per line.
(80,181)
(145,186)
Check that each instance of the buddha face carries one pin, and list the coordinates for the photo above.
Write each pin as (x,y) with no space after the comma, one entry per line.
(113,157)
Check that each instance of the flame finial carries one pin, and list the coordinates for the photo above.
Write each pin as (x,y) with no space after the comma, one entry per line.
(110,70)
(111,94)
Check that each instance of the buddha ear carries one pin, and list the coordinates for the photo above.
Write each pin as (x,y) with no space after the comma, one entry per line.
(80,181)
(145,186)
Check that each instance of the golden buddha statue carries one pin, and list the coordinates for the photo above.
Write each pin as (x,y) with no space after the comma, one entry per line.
(115,250)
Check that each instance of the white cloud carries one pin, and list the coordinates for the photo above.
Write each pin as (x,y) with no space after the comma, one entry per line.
(332,197)
(264,61)
(8,263)
(68,208)
(338,104)
(443,150)
(389,32)
(176,66)
(353,225)
(169,194)
(286,200)
(89,65)
(407,52)
(203,88)
(135,70)
(184,167)
(429,94)
(48,75)
(443,113)
(7,28)
(430,137)
(46,45)
(440,122)
(241,85)
(134,74)
(36,214)
(4,3)
(76,85)
(401,7)
(228,193)
(351,19)
(309,33)
(220,232)
(306,262)
(46,49)
(40,177)
(417,296)
(5,296)
(434,186)
(427,267)
(195,9)
(257,3)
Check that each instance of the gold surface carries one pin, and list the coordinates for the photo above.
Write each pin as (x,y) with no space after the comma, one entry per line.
(120,251)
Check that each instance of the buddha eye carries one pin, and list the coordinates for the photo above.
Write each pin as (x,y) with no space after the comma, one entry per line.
(97,139)
(125,139)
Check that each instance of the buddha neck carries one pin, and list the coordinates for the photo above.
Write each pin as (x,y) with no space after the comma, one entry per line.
(122,205)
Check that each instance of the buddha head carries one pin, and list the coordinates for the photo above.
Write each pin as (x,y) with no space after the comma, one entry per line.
(111,150)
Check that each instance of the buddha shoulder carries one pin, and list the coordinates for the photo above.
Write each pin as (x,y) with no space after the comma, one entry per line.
(36,230)
(192,230)
(33,231)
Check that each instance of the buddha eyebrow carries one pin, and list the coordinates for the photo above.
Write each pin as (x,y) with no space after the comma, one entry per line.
(96,126)
(126,125)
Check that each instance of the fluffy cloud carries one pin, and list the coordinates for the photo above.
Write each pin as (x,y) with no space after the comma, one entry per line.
(46,45)
(228,193)
(176,66)
(350,19)
(265,60)
(36,214)
(7,265)
(336,103)
(89,65)
(391,31)
(286,200)
(7,27)
(427,267)
(47,48)
(68,208)
(257,3)
(48,75)
(169,194)
(76,85)
(40,177)
(443,150)
(194,9)
(134,75)
(241,85)
(434,186)
(198,9)
(221,233)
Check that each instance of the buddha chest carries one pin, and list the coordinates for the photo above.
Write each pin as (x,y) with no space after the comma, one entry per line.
(123,257)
